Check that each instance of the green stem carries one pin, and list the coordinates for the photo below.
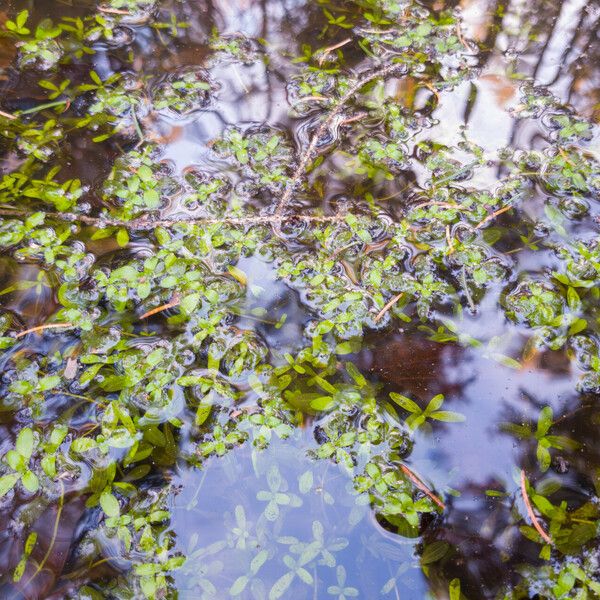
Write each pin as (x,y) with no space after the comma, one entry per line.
(40,107)
(61,502)
(136,124)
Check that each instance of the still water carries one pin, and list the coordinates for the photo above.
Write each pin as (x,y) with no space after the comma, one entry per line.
(244,490)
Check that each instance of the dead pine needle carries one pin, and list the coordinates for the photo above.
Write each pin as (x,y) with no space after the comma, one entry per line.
(175,302)
(492,216)
(534,520)
(42,327)
(342,249)
(435,93)
(422,486)
(387,307)
(307,98)
(329,49)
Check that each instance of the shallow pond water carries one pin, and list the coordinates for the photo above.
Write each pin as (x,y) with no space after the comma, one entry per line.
(299,299)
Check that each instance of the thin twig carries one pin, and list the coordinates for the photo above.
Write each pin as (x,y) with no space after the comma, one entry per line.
(530,512)
(387,307)
(86,570)
(315,97)
(339,251)
(326,51)
(435,93)
(376,246)
(307,155)
(7,115)
(175,302)
(145,224)
(40,107)
(357,117)
(492,216)
(41,327)
(422,486)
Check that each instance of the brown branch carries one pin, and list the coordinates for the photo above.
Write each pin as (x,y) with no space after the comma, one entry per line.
(307,98)
(530,512)
(41,327)
(145,224)
(175,302)
(307,155)
(326,51)
(492,216)
(335,253)
(422,486)
(387,307)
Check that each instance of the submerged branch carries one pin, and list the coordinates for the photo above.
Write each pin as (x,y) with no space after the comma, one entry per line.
(145,223)
(42,327)
(172,304)
(422,486)
(307,155)
(534,519)
(387,307)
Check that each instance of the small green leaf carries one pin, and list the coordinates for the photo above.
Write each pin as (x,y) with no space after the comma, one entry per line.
(434,403)
(305,482)
(49,382)
(405,403)
(24,445)
(238,274)
(109,504)
(447,416)
(544,421)
(202,413)
(434,552)
(122,237)
(239,585)
(83,444)
(190,302)
(145,173)
(454,589)
(280,586)
(345,348)
(30,481)
(7,483)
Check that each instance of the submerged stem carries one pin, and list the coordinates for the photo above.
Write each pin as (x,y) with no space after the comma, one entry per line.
(61,502)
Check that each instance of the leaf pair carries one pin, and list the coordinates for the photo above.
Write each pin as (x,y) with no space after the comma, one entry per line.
(419,416)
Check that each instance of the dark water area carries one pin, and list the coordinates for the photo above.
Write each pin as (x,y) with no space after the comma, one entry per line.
(275,339)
